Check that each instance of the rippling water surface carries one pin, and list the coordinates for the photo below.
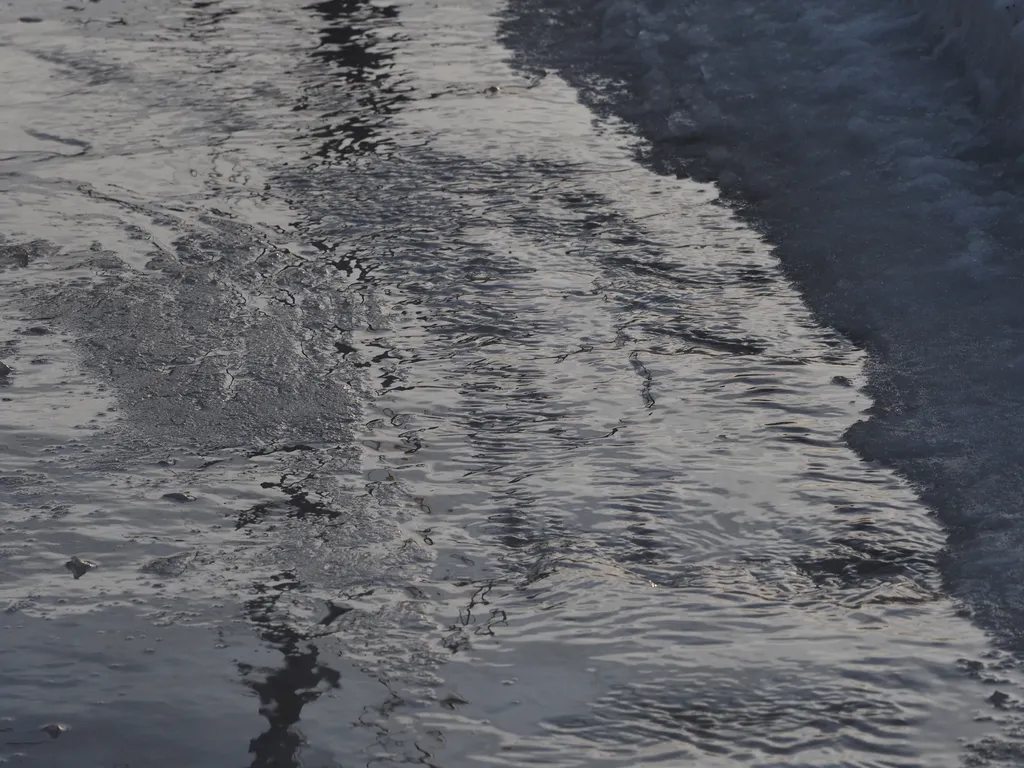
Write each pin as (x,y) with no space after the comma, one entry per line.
(410,420)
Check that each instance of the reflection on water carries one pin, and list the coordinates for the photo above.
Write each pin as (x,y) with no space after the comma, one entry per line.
(500,448)
(361,70)
(207,17)
(283,692)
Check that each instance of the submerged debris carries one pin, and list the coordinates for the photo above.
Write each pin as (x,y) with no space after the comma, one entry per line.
(4,370)
(80,566)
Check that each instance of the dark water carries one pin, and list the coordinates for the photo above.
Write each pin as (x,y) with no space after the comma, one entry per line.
(411,420)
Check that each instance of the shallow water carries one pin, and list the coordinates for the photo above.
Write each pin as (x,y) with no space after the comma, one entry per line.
(410,419)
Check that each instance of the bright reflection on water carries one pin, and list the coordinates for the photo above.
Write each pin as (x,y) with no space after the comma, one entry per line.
(444,432)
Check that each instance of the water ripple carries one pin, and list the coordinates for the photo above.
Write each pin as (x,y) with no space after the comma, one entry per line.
(468,439)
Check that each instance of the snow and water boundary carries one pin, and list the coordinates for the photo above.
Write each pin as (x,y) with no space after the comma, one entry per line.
(850,136)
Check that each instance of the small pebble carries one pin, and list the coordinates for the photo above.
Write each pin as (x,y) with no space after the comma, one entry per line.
(80,566)
(54,730)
